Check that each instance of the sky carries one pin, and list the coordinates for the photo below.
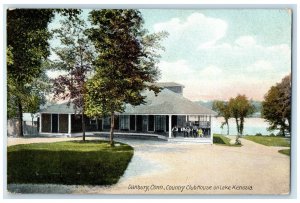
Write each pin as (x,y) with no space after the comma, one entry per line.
(219,53)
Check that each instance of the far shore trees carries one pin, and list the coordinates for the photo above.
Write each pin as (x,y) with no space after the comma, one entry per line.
(240,108)
(222,108)
(276,107)
(75,56)
(126,62)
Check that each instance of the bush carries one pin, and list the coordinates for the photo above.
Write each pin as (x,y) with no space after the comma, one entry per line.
(258,134)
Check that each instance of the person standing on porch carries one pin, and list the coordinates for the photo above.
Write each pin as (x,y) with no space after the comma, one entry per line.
(200,132)
(174,130)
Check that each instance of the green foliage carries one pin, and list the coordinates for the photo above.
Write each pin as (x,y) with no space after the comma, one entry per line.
(126,62)
(276,107)
(222,108)
(27,51)
(73,162)
(269,141)
(240,108)
(75,56)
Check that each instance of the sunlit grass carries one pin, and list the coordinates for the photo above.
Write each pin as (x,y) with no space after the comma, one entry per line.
(72,162)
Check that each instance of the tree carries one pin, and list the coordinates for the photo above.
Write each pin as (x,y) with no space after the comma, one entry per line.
(126,64)
(276,107)
(222,108)
(75,56)
(27,51)
(240,108)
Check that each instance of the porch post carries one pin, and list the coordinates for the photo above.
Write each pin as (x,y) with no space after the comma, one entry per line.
(40,130)
(170,126)
(69,124)
(135,123)
(58,122)
(210,130)
(51,122)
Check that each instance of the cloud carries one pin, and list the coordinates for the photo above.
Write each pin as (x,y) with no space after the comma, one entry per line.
(245,41)
(196,30)
(244,53)
(260,65)
(201,55)
(211,71)
(174,71)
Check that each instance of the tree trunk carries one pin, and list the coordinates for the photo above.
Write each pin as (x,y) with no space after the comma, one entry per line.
(237,141)
(83,126)
(237,125)
(227,126)
(289,123)
(282,130)
(241,126)
(20,118)
(112,127)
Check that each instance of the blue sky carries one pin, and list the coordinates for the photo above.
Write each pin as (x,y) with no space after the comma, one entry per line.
(219,53)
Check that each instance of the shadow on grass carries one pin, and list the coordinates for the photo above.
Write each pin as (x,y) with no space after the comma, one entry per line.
(285,151)
(73,162)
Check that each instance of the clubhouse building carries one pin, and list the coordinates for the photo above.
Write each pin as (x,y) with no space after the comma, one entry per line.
(156,118)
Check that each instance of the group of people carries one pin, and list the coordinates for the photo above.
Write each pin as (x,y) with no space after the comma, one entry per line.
(188,131)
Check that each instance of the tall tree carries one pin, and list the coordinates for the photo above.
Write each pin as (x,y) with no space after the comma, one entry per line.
(27,50)
(276,107)
(240,108)
(126,64)
(75,56)
(222,108)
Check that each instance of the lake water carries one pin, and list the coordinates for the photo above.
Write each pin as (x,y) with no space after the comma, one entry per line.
(251,126)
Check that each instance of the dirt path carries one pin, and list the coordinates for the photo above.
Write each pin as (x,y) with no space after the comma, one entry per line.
(187,168)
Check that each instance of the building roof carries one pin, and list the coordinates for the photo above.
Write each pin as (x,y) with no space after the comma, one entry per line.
(166,102)
(59,109)
(168,84)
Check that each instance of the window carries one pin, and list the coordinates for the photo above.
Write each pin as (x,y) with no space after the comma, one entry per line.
(124,122)
(46,123)
(63,123)
(106,123)
(159,123)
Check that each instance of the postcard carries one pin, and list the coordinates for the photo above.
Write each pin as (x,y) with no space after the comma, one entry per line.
(149,101)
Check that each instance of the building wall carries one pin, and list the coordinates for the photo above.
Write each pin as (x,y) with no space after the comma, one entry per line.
(29,128)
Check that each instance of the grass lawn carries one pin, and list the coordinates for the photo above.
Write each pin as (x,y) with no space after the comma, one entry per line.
(269,140)
(222,140)
(71,162)
(285,151)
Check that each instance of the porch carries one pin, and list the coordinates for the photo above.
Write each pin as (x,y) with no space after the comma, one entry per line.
(159,126)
